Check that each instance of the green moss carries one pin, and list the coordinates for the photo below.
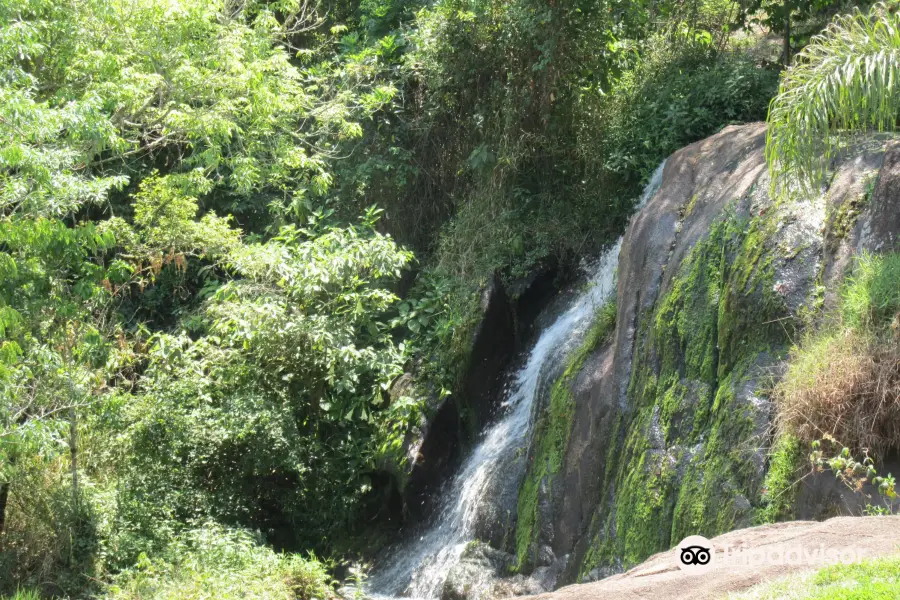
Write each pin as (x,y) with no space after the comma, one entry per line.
(780,488)
(672,404)
(844,218)
(644,503)
(551,434)
(690,206)
(684,464)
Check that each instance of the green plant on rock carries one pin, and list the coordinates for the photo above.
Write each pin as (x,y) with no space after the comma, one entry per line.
(843,379)
(842,82)
(855,474)
(844,219)
(842,382)
(871,297)
(784,473)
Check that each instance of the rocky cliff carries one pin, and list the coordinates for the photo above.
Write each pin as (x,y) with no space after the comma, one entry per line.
(664,430)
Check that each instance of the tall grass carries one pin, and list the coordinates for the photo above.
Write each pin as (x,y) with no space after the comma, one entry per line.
(871,300)
(845,384)
(23,595)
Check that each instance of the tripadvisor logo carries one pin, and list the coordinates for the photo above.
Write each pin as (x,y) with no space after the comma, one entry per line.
(695,555)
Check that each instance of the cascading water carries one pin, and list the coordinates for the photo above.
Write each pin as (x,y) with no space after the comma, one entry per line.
(419,568)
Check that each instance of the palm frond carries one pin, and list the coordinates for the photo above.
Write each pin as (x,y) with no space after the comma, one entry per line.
(843,83)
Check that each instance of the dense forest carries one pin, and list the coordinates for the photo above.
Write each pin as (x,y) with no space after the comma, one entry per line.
(228,227)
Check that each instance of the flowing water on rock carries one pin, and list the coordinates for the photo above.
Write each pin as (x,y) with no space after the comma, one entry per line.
(419,568)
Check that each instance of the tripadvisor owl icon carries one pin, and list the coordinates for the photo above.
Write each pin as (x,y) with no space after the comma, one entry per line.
(695,555)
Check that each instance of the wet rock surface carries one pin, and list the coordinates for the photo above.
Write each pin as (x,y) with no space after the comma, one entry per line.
(672,418)
(483,573)
(669,419)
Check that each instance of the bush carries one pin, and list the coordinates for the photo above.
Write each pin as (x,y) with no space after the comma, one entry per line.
(52,540)
(844,381)
(216,562)
(271,415)
(844,384)
(682,90)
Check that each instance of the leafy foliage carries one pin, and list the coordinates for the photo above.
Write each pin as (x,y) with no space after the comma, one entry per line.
(270,417)
(199,311)
(130,126)
(682,90)
(855,474)
(841,83)
(213,562)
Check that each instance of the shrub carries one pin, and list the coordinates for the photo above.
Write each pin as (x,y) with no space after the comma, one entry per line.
(844,381)
(52,538)
(682,90)
(845,384)
(271,416)
(212,561)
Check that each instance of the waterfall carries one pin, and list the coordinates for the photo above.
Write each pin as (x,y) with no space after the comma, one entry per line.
(419,568)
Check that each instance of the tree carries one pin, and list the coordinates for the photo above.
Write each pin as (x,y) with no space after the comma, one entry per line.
(843,82)
(143,141)
(272,414)
(794,20)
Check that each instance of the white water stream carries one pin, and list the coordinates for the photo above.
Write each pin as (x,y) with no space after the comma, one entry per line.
(419,568)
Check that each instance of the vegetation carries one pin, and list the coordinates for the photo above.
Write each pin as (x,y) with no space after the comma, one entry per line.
(678,93)
(841,83)
(843,380)
(162,364)
(226,228)
(868,580)
(842,385)
(855,475)
(212,562)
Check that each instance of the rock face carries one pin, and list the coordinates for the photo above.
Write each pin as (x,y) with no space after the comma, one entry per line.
(505,322)
(662,427)
(660,577)
(670,420)
(482,573)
